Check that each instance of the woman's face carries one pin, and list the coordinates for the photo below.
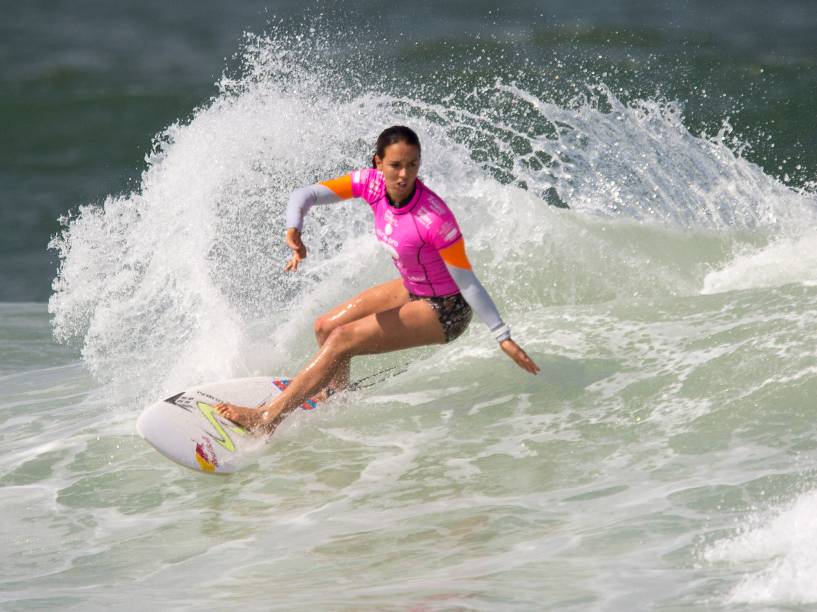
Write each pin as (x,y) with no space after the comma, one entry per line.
(399,165)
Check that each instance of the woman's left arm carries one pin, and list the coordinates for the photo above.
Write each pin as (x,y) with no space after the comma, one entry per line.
(456,261)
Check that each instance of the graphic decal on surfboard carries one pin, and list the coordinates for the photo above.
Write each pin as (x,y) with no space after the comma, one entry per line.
(283,383)
(180,400)
(205,456)
(186,428)
(221,436)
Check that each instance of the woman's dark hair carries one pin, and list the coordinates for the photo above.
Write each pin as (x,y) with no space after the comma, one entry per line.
(392,135)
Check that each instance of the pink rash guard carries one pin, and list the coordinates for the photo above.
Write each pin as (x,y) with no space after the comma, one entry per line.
(422,236)
(412,234)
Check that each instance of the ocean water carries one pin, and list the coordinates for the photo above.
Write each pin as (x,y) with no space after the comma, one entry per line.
(637,188)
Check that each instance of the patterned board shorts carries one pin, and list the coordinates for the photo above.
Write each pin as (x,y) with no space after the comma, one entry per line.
(453,312)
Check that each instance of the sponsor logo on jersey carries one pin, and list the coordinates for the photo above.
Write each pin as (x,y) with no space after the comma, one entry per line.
(424,217)
(375,188)
(437,206)
(389,249)
(451,234)
(388,243)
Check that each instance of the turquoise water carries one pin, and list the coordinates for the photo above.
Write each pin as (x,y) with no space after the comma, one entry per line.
(636,187)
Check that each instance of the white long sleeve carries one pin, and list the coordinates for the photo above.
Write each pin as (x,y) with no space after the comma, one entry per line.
(304,198)
(479,301)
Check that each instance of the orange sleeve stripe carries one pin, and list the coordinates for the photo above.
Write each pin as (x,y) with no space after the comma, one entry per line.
(454,255)
(342,186)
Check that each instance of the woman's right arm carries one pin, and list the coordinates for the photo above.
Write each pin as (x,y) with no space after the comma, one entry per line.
(326,192)
(304,198)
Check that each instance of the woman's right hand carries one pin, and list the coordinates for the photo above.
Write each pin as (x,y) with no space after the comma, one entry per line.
(298,249)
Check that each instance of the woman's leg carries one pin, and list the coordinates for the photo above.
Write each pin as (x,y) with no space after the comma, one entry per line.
(391,294)
(412,324)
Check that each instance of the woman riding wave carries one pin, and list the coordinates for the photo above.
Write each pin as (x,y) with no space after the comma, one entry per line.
(431,303)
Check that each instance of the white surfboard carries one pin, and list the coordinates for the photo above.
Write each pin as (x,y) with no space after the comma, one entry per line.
(186,428)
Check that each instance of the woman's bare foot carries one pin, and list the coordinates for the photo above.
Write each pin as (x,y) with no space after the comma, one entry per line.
(251,419)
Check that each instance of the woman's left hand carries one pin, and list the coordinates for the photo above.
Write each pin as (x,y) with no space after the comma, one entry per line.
(515,352)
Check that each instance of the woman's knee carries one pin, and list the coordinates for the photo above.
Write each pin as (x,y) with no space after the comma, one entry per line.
(341,341)
(323,327)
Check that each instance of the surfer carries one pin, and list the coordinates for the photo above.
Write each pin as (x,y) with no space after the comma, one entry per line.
(432,302)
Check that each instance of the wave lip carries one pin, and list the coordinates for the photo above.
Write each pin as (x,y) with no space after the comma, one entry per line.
(180,281)
(785,260)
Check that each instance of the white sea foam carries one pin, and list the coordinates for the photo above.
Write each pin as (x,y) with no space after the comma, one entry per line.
(785,260)
(785,545)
